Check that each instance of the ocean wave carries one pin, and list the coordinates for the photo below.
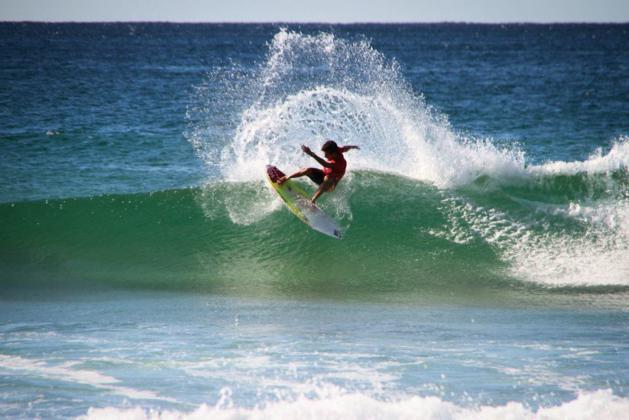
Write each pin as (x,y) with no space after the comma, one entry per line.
(215,237)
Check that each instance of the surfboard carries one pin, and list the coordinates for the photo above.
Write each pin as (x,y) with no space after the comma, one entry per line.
(298,202)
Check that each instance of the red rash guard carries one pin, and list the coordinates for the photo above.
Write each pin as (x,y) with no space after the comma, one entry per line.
(338,167)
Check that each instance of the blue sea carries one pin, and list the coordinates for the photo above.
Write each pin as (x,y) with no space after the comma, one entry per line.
(147,271)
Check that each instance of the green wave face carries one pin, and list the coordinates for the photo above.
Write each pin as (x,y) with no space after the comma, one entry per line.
(401,236)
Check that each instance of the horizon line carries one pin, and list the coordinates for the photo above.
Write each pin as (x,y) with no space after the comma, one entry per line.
(297,22)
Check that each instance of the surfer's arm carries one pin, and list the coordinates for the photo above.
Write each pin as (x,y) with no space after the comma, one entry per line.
(313,155)
(348,147)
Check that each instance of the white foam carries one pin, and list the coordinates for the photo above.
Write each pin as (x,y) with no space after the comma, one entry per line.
(598,163)
(67,372)
(557,260)
(602,404)
(596,256)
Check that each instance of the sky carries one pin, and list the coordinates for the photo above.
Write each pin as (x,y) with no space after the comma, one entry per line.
(329,11)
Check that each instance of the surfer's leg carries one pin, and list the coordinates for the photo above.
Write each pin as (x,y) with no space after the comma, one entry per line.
(297,174)
(327,185)
(315,174)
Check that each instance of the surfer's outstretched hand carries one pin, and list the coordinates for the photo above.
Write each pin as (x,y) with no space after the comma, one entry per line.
(306,149)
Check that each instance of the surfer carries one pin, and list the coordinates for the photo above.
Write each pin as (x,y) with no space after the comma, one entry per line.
(333,168)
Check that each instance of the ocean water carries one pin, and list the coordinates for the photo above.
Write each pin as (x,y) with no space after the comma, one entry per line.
(146,270)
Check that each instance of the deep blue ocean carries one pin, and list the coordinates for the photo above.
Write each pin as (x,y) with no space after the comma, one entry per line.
(147,270)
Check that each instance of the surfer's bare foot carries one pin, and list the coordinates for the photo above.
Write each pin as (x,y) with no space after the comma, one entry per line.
(281,180)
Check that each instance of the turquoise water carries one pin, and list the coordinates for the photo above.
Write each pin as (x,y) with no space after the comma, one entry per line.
(146,271)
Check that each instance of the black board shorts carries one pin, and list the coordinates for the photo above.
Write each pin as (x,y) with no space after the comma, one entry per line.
(317,176)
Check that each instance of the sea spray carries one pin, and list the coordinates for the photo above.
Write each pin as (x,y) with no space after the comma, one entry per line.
(313,87)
